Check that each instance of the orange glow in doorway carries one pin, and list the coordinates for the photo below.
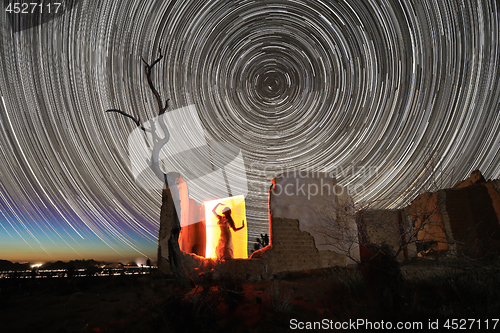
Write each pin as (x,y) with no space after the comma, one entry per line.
(238,213)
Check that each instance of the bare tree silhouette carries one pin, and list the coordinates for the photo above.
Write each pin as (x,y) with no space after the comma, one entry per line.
(175,254)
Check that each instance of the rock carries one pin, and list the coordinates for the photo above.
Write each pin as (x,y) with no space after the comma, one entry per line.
(476,177)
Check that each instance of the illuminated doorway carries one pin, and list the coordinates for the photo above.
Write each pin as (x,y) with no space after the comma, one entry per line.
(216,213)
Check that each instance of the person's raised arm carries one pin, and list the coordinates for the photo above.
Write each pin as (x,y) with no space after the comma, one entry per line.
(243,225)
(213,210)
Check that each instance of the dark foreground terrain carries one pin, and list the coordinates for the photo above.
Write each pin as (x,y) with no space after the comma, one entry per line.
(154,303)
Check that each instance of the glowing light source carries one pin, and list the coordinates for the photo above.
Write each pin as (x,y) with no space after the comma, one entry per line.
(239,238)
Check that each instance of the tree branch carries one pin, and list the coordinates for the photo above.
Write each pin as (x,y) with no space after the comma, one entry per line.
(137,120)
(148,69)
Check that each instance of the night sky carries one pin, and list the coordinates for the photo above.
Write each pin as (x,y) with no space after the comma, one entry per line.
(389,95)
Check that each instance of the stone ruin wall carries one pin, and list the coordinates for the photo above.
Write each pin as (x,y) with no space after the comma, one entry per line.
(294,250)
(385,226)
(473,217)
(296,239)
(463,220)
(302,236)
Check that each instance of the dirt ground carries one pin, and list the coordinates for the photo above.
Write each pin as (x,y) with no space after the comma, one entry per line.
(153,303)
(75,305)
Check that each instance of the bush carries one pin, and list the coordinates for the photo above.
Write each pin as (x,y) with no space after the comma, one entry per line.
(382,276)
(470,293)
(281,297)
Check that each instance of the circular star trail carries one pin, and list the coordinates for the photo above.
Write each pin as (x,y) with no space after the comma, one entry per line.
(387,95)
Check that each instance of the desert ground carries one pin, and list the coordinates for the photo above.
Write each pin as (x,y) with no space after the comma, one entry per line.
(424,292)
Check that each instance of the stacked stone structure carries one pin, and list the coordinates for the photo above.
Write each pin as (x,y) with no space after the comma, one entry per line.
(312,225)
(299,239)
(458,221)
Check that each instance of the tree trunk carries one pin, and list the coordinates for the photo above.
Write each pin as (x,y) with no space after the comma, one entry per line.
(169,237)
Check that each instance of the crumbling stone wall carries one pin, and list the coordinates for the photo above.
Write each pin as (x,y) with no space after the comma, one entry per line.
(296,238)
(425,213)
(474,220)
(325,214)
(167,215)
(463,220)
(294,250)
(380,226)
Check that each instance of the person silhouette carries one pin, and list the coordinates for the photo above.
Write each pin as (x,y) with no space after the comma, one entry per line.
(225,247)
